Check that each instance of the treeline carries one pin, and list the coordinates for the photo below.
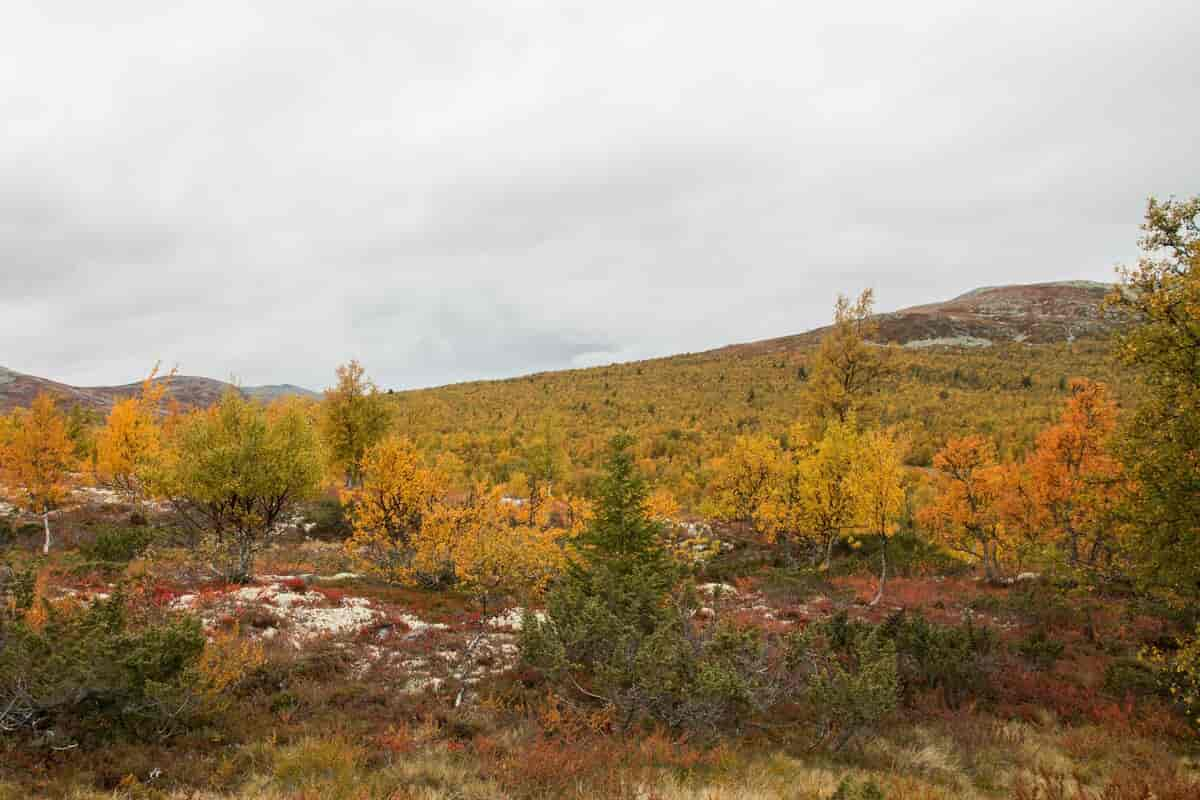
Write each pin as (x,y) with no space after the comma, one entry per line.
(686,412)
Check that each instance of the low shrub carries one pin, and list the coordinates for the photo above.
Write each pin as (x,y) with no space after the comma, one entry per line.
(328,520)
(909,556)
(1124,677)
(849,789)
(1042,603)
(682,673)
(27,530)
(951,659)
(75,673)
(705,679)
(1039,649)
(1181,670)
(851,678)
(793,586)
(117,544)
(742,559)
(17,585)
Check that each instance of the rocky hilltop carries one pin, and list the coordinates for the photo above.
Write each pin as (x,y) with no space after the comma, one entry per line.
(1036,313)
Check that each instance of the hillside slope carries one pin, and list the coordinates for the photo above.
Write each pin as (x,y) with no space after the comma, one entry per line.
(1038,313)
(686,411)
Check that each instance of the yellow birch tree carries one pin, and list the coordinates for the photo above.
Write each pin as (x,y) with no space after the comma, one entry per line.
(878,476)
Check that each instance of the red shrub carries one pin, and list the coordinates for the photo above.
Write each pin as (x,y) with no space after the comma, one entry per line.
(163,595)
(745,584)
(332,595)
(1022,692)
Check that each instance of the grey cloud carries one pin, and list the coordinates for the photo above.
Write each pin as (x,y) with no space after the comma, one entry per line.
(466,189)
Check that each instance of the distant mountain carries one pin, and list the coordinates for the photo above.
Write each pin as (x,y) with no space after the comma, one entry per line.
(1037,313)
(17,389)
(275,391)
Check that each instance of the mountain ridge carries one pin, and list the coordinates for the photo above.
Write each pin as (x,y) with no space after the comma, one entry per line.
(1038,313)
(1033,313)
(18,389)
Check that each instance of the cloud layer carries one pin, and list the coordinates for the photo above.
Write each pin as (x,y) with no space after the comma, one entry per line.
(459,189)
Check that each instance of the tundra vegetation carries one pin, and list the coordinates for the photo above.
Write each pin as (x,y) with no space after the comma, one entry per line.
(850,570)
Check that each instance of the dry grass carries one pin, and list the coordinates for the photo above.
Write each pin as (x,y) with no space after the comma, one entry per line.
(968,757)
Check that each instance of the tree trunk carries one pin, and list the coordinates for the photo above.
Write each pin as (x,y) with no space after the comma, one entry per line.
(46,525)
(882,572)
(245,548)
(829,551)
(1073,540)
(991,564)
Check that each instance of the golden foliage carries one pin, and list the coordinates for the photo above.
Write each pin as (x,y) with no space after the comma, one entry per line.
(354,416)
(493,555)
(227,659)
(814,494)
(743,478)
(37,458)
(387,509)
(407,529)
(131,438)
(878,481)
(848,364)
(662,505)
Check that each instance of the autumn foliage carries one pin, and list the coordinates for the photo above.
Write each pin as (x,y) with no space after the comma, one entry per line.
(966,516)
(1072,481)
(36,460)
(409,527)
(131,439)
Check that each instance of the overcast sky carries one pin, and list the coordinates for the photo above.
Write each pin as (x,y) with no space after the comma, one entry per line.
(452,190)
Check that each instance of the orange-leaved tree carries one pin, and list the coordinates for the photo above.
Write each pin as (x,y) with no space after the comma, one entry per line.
(37,460)
(1074,481)
(965,517)
(131,438)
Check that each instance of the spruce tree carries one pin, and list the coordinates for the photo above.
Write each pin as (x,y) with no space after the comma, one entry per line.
(614,595)
(622,539)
